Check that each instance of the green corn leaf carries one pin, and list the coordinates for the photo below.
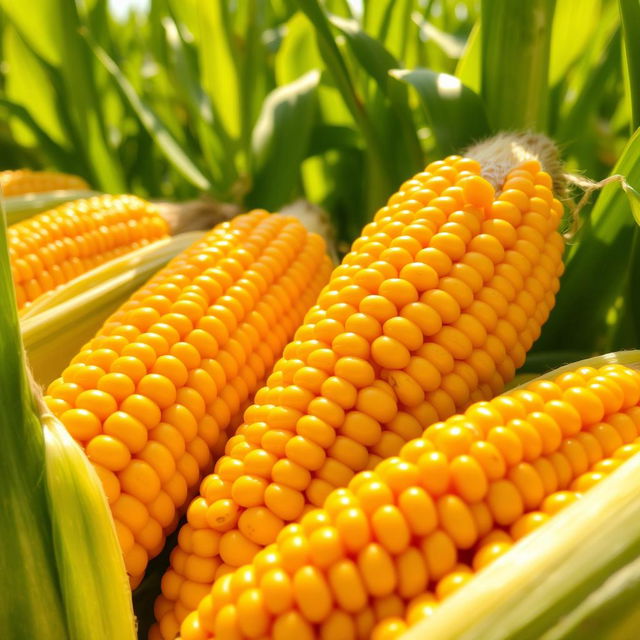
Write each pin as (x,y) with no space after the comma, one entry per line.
(454,112)
(634,201)
(52,29)
(280,141)
(630,14)
(297,55)
(450,45)
(573,124)
(156,129)
(325,137)
(599,256)
(515,61)
(29,83)
(211,134)
(377,17)
(398,131)
(379,167)
(388,22)
(219,63)
(40,22)
(469,65)
(573,27)
(59,156)
(332,57)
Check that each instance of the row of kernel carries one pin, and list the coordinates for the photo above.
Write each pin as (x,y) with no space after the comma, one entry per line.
(271,333)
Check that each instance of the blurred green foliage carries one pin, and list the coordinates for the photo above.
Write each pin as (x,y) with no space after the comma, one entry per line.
(259,102)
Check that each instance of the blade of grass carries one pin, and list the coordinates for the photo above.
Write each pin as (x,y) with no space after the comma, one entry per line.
(515,61)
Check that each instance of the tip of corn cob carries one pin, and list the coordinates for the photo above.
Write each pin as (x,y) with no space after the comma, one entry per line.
(499,154)
(195,215)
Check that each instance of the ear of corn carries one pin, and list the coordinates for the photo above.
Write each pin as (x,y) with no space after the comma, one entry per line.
(435,306)
(22,181)
(60,322)
(150,396)
(575,577)
(385,552)
(54,520)
(54,247)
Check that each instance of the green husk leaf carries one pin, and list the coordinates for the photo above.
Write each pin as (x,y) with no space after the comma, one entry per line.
(20,207)
(95,587)
(610,611)
(31,603)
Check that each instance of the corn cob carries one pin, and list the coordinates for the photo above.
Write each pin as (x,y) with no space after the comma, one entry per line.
(23,181)
(435,306)
(150,395)
(54,247)
(408,534)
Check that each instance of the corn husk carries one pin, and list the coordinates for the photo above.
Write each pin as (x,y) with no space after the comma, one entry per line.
(21,207)
(61,570)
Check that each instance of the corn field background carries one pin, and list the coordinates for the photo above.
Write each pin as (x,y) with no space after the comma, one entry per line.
(262,102)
